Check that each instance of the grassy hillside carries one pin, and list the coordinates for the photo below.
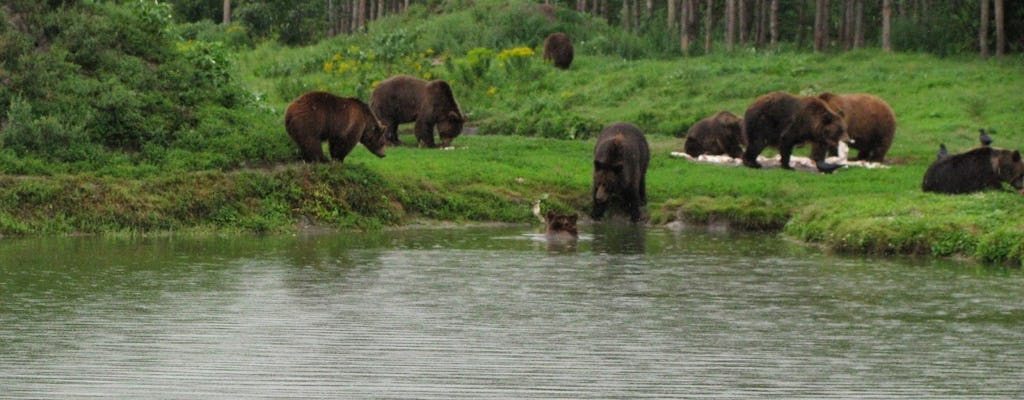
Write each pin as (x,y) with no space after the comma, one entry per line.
(531,135)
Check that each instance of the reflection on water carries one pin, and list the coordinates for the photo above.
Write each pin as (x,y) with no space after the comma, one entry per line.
(621,312)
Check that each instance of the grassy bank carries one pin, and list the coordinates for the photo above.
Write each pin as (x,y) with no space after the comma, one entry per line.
(531,135)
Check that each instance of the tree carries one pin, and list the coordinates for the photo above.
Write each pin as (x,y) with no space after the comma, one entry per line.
(227,12)
(730,24)
(1000,29)
(887,25)
(708,17)
(821,25)
(773,23)
(983,29)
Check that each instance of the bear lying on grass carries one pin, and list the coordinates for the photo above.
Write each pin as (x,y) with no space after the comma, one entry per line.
(318,116)
(620,169)
(975,170)
(718,134)
(404,98)
(558,48)
(784,121)
(870,123)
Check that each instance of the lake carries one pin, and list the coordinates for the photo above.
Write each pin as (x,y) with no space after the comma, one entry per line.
(499,312)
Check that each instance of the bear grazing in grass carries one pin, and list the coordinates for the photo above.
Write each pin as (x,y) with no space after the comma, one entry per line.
(620,169)
(318,116)
(560,225)
(404,98)
(870,123)
(784,121)
(721,133)
(975,170)
(558,48)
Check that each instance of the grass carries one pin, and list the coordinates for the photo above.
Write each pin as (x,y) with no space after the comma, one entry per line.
(520,151)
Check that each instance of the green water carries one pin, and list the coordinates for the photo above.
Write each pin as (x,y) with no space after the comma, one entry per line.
(499,312)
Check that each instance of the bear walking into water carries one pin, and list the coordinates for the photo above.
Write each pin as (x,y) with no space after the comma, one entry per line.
(784,121)
(318,116)
(870,123)
(558,49)
(978,169)
(718,134)
(404,98)
(620,169)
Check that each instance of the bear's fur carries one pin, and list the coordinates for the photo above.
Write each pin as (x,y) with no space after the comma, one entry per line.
(558,48)
(560,225)
(975,170)
(405,98)
(718,134)
(870,123)
(621,157)
(783,120)
(318,116)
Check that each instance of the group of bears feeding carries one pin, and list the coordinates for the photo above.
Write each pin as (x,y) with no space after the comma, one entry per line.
(621,155)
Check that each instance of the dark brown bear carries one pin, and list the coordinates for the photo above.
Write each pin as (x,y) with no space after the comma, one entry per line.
(620,169)
(870,123)
(318,116)
(721,133)
(404,98)
(783,120)
(975,170)
(560,225)
(558,48)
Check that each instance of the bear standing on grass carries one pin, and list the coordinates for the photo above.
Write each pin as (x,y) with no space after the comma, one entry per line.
(620,169)
(783,120)
(978,169)
(404,98)
(318,116)
(718,134)
(558,48)
(870,123)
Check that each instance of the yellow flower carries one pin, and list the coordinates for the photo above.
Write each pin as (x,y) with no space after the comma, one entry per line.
(492,91)
(427,75)
(328,66)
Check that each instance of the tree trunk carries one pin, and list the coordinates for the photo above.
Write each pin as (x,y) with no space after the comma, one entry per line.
(846,28)
(1000,29)
(858,24)
(625,15)
(227,12)
(773,23)
(983,29)
(730,24)
(887,25)
(821,26)
(741,15)
(672,18)
(684,26)
(708,25)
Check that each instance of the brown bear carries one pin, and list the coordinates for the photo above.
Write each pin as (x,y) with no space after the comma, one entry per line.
(318,116)
(870,123)
(558,48)
(620,169)
(975,170)
(721,133)
(560,225)
(404,98)
(784,121)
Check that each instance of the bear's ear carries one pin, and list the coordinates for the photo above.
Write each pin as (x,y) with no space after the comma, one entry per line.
(572,218)
(1016,156)
(598,165)
(551,215)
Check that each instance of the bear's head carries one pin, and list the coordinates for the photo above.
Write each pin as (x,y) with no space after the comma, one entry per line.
(732,140)
(450,127)
(607,179)
(1007,164)
(561,224)
(826,122)
(373,136)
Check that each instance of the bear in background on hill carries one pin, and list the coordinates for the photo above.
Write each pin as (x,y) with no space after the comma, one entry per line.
(342,121)
(404,98)
(981,168)
(718,134)
(783,120)
(558,48)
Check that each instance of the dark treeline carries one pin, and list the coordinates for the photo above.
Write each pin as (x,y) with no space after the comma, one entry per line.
(988,27)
